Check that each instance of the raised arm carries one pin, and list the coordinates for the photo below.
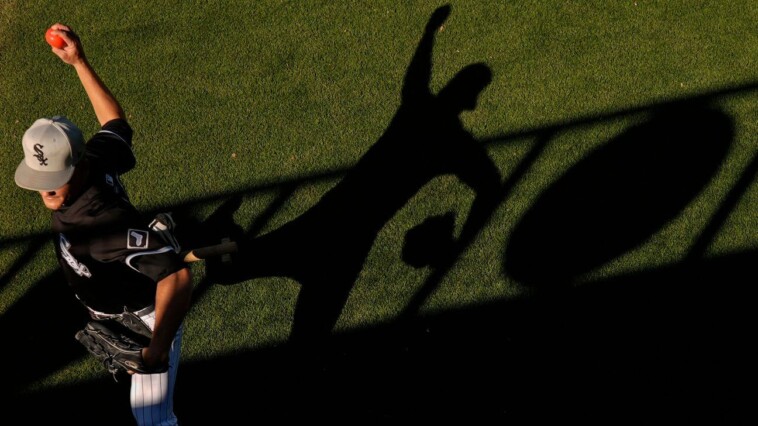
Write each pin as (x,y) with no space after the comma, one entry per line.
(419,72)
(103,102)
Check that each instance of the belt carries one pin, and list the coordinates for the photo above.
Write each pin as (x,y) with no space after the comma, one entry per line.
(102,315)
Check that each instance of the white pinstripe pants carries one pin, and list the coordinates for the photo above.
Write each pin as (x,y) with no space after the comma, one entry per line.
(152,395)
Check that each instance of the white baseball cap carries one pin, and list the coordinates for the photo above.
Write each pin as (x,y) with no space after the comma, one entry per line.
(52,147)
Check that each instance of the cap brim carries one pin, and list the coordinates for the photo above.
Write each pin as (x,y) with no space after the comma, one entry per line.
(28,178)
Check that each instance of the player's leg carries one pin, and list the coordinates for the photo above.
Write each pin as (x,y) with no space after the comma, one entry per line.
(152,395)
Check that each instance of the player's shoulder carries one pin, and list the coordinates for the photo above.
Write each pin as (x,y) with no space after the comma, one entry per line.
(117,129)
(111,147)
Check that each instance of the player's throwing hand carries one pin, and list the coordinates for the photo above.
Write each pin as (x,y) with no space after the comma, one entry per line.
(72,53)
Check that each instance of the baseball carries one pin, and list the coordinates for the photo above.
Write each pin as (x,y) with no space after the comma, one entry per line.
(54,40)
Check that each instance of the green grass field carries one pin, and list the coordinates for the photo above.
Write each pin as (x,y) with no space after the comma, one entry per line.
(613,259)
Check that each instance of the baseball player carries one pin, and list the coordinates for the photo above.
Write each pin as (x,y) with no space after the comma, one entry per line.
(110,257)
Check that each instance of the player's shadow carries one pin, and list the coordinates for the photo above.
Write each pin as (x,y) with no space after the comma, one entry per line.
(324,249)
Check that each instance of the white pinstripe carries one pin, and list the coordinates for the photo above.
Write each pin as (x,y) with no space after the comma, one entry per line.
(152,395)
(129,258)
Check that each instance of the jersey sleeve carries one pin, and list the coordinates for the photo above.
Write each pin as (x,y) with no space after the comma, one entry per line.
(155,264)
(111,147)
(140,250)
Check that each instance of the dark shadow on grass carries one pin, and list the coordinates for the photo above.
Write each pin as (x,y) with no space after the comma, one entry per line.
(617,197)
(39,330)
(734,196)
(661,346)
(479,216)
(34,244)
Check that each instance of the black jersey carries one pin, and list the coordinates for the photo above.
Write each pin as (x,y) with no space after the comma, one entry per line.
(108,254)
